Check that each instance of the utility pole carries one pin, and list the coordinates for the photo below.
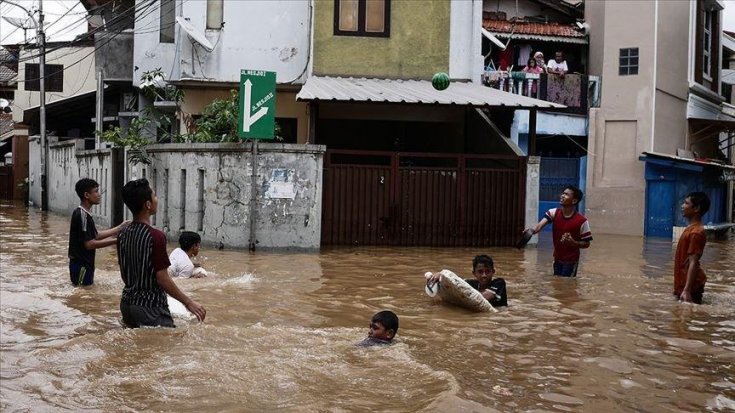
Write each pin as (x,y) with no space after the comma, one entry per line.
(42,89)
(41,42)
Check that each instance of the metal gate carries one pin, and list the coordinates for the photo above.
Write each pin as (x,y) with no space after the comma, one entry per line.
(411,199)
(6,182)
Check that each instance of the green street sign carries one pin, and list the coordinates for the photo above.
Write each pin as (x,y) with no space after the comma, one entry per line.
(256,117)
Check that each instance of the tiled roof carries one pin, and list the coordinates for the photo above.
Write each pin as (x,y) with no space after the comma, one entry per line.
(6,122)
(538,29)
(7,74)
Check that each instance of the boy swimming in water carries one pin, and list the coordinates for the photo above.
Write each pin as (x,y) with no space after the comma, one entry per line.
(483,268)
(383,328)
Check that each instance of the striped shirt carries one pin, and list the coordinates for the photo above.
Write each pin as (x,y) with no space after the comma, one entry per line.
(141,252)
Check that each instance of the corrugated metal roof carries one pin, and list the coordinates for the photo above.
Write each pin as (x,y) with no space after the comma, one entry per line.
(339,89)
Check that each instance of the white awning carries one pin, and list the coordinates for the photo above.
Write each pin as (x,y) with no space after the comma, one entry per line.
(339,89)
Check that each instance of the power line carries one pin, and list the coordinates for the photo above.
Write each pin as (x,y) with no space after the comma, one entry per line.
(90,53)
(87,36)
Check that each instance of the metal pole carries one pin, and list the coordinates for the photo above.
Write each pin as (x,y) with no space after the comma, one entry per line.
(42,90)
(253,195)
(99,112)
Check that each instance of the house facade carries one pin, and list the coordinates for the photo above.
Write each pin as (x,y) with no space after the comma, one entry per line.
(661,130)
(407,164)
(259,35)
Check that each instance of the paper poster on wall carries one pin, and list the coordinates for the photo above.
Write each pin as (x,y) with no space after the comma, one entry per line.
(281,184)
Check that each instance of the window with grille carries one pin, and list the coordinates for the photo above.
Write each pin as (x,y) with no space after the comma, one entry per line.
(54,75)
(369,18)
(628,61)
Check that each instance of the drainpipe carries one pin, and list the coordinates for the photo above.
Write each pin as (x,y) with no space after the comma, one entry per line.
(655,66)
(253,197)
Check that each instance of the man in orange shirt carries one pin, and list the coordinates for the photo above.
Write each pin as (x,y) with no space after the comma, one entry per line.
(689,277)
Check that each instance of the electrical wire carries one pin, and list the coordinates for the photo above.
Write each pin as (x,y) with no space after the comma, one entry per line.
(89,34)
(82,59)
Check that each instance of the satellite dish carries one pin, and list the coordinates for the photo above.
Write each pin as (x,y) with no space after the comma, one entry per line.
(194,35)
(4,103)
(19,22)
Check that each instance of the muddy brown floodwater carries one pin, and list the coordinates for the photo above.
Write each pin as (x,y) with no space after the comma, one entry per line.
(281,330)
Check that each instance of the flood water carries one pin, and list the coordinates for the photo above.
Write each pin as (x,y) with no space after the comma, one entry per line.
(281,330)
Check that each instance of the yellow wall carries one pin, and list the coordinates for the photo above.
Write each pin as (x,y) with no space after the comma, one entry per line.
(417,48)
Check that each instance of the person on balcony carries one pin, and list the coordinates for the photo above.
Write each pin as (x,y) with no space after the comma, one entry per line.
(539,58)
(533,67)
(558,65)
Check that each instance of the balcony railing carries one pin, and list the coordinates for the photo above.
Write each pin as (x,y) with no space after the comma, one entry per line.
(577,92)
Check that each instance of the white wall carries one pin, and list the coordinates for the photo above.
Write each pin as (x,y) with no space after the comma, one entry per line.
(79,78)
(259,34)
(465,57)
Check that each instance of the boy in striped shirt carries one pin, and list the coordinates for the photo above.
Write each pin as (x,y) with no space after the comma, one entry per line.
(144,264)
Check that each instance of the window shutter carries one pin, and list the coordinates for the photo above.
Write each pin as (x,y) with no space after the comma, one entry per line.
(699,42)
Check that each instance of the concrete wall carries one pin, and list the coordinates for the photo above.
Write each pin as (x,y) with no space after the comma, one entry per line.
(513,8)
(207,188)
(148,53)
(417,48)
(67,164)
(78,79)
(644,112)
(263,35)
(114,55)
(34,170)
(465,40)
(533,177)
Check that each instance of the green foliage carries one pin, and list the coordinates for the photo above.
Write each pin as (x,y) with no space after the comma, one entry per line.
(132,139)
(218,122)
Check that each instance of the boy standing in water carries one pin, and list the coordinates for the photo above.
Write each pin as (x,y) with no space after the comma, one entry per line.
(571,232)
(383,328)
(493,289)
(83,236)
(689,278)
(144,264)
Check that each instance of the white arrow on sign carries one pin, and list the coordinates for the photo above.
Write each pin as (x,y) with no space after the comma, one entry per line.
(249,119)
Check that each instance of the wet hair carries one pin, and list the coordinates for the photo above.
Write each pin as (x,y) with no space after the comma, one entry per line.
(85,185)
(387,319)
(188,239)
(482,259)
(699,200)
(578,194)
(136,193)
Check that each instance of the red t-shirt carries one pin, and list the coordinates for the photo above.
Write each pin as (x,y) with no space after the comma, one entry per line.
(692,241)
(576,225)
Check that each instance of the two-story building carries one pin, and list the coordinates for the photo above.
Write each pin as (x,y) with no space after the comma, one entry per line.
(259,35)
(662,128)
(408,164)
(521,40)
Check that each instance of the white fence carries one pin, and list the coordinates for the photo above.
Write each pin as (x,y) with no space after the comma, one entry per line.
(67,164)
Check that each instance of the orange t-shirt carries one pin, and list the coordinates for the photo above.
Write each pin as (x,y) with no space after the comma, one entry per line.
(691,242)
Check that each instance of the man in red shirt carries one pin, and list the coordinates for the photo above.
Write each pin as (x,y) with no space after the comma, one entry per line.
(689,278)
(571,232)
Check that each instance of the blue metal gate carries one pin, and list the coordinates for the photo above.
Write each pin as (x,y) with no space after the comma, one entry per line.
(556,173)
(660,204)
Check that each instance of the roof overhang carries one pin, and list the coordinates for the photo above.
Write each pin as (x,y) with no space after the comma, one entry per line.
(683,163)
(339,89)
(540,37)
